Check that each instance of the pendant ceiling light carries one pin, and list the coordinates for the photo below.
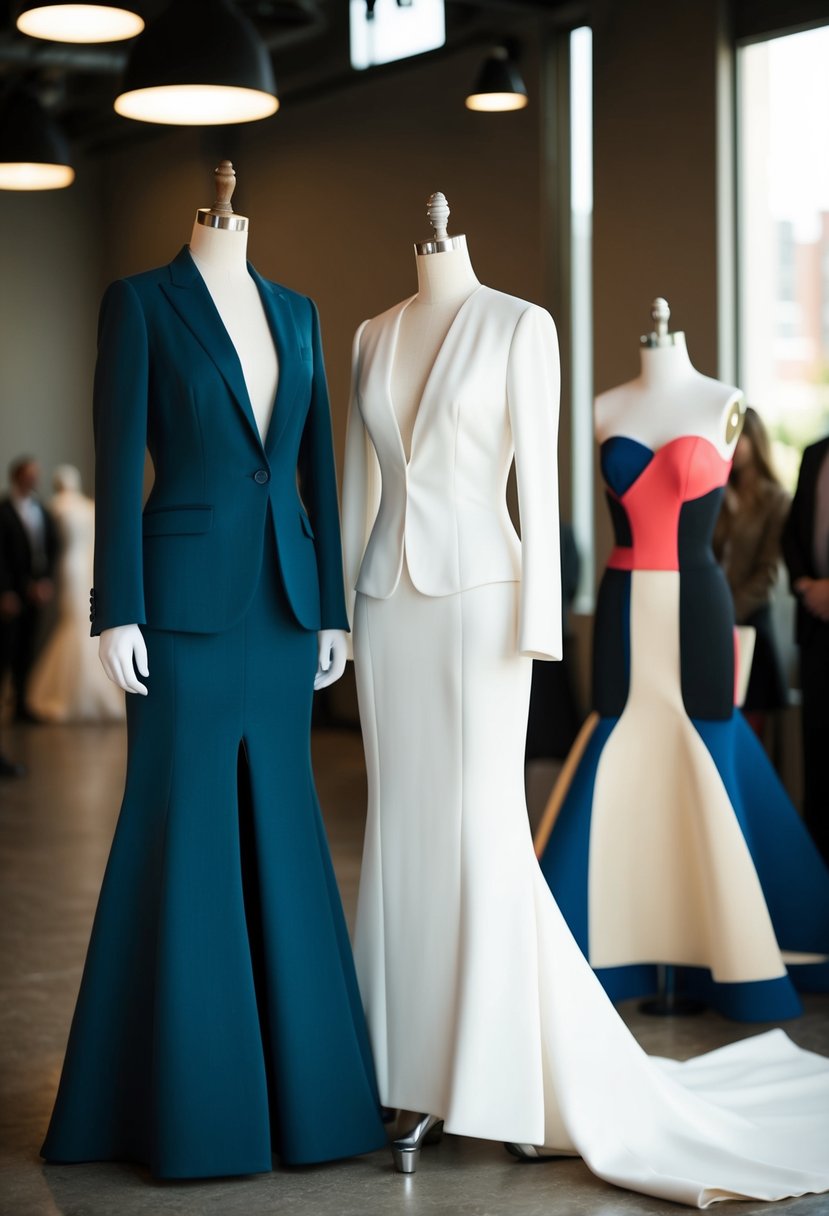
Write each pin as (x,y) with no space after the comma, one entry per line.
(200,63)
(34,154)
(499,85)
(88,22)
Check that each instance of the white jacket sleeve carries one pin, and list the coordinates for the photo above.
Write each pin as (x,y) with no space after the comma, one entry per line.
(361,488)
(533,388)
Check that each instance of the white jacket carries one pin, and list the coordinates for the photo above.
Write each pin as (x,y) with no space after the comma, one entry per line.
(492,394)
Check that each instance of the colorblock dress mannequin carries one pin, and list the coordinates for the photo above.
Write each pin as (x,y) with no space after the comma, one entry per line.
(219,1022)
(483,1013)
(672,841)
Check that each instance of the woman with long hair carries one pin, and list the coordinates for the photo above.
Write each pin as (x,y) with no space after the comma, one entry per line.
(747,544)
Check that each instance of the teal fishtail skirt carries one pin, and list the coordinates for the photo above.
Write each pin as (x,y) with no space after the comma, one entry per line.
(219,1021)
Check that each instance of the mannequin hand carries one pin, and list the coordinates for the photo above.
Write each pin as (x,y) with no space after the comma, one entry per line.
(332,654)
(122,650)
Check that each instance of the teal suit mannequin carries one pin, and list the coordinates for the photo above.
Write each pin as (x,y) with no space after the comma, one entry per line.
(218,1020)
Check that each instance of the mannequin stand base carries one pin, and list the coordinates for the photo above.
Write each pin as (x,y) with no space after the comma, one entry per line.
(667,1007)
(666,1003)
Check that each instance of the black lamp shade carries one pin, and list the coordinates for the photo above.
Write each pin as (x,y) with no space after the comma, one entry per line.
(499,85)
(198,45)
(34,153)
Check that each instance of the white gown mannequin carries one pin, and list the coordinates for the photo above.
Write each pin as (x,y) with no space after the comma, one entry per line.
(220,257)
(483,1012)
(67,683)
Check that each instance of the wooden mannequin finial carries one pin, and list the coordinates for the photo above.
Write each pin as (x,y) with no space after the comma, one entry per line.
(221,214)
(225,179)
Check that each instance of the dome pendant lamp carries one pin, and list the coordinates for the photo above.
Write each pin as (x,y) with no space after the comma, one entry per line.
(34,154)
(200,63)
(499,85)
(87,22)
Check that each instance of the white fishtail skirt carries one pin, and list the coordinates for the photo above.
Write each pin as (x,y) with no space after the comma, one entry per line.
(481,1007)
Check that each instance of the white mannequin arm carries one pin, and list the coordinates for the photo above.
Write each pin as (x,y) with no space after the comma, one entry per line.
(121,650)
(533,385)
(333,651)
(361,490)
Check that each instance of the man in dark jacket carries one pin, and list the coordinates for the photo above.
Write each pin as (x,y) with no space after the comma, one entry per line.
(806,552)
(28,550)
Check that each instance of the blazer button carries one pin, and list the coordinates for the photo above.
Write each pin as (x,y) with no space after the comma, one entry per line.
(261,477)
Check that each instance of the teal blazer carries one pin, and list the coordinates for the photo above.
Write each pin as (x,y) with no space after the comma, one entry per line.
(168,378)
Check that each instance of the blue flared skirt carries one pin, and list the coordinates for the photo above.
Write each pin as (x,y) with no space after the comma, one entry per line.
(219,1021)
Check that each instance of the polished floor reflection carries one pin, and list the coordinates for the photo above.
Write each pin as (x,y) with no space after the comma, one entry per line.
(55,828)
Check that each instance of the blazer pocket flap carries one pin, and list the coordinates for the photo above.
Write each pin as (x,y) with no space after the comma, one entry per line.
(306,525)
(178,521)
(306,352)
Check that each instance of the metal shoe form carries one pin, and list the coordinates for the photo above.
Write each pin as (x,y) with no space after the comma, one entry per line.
(406,1149)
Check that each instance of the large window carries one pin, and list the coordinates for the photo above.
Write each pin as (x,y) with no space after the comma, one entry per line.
(784,237)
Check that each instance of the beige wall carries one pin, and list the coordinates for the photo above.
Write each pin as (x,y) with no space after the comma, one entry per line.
(50,282)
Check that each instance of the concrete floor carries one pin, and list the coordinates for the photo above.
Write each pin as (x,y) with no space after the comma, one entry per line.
(55,828)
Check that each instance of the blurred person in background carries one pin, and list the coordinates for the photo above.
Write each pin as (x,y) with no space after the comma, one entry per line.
(747,543)
(806,552)
(29,547)
(8,768)
(68,683)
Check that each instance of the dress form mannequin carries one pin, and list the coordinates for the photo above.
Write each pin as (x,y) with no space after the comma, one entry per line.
(219,959)
(445,280)
(668,392)
(483,1011)
(218,246)
(666,760)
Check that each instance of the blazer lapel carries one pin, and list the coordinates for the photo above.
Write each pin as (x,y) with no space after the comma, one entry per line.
(283,328)
(379,346)
(192,301)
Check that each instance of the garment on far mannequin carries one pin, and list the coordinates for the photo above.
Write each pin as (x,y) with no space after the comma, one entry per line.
(675,841)
(481,1007)
(29,544)
(219,1021)
(68,683)
(747,545)
(806,553)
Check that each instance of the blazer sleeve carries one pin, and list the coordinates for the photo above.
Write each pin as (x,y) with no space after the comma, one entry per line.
(120,424)
(533,388)
(361,485)
(796,539)
(318,480)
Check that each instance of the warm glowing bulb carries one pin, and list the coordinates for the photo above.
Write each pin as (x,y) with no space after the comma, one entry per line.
(80,23)
(23,175)
(193,105)
(494,102)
